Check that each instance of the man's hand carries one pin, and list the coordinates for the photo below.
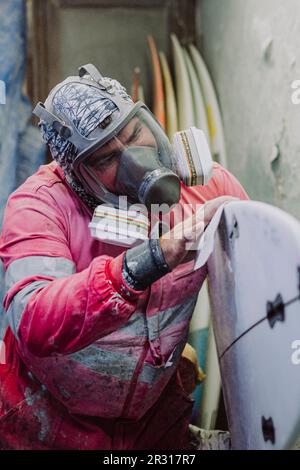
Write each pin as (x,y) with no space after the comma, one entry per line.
(174,243)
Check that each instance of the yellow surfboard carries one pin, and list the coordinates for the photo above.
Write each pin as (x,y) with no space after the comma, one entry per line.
(198,101)
(170,100)
(183,89)
(158,88)
(212,108)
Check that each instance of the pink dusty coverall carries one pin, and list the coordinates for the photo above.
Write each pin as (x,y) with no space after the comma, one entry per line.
(90,363)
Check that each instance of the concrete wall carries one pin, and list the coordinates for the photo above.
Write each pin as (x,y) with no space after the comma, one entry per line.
(113,39)
(252,50)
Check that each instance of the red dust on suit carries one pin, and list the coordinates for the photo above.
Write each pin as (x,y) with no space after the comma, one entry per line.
(90,362)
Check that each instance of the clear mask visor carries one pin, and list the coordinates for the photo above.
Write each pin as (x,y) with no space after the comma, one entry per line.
(98,171)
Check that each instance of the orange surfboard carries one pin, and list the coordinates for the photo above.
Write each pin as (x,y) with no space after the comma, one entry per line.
(135,84)
(137,90)
(158,87)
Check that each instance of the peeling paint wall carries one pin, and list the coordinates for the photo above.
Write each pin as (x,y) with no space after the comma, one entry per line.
(252,50)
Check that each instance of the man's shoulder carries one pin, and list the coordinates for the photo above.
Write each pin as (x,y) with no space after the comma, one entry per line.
(221,183)
(212,189)
(46,176)
(45,188)
(47,180)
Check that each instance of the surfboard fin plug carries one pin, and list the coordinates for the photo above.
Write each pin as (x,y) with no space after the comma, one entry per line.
(268,429)
(276,311)
(234,233)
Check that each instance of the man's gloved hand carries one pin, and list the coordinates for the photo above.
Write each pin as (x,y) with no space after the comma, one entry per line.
(174,243)
(189,369)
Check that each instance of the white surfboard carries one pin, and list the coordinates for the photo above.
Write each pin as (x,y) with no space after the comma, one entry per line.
(183,89)
(198,338)
(141,94)
(198,102)
(188,117)
(188,92)
(212,108)
(212,385)
(210,398)
(171,107)
(254,274)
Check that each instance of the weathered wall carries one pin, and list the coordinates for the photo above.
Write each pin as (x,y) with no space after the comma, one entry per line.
(113,39)
(252,50)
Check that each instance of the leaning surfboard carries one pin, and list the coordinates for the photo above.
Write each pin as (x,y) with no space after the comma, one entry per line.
(198,102)
(170,99)
(256,305)
(192,113)
(135,84)
(211,392)
(206,395)
(158,88)
(183,89)
(189,91)
(137,90)
(198,338)
(212,108)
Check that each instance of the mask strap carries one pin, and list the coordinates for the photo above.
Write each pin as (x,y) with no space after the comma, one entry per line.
(106,87)
(64,131)
(96,76)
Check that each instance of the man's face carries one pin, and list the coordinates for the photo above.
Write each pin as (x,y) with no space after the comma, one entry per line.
(104,161)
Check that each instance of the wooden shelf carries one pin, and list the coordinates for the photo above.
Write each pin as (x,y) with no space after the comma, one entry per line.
(111,3)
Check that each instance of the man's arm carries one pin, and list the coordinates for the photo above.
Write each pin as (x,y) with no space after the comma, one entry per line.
(51,308)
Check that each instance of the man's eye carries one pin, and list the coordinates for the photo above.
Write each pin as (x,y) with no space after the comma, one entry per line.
(108,158)
(136,134)
(101,162)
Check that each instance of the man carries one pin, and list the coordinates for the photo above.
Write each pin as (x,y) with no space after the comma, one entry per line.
(95,331)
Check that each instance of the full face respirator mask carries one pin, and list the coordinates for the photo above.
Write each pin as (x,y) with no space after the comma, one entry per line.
(130,146)
(139,158)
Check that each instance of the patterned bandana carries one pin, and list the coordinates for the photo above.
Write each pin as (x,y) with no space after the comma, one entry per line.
(87,108)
